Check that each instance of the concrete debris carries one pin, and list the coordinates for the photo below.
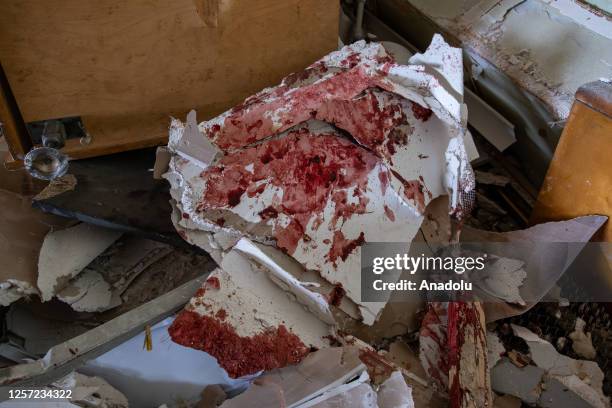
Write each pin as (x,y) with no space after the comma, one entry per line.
(581,341)
(284,176)
(65,253)
(551,379)
(90,392)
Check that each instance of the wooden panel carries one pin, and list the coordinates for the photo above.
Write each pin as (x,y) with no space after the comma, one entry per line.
(125,66)
(579,179)
(12,126)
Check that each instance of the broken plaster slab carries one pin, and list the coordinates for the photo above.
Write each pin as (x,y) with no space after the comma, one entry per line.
(246,321)
(410,100)
(65,253)
(549,47)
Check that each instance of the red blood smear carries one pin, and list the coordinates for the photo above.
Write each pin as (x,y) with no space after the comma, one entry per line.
(239,356)
(221,314)
(336,295)
(306,167)
(268,212)
(342,247)
(413,190)
(421,112)
(309,91)
(233,196)
(463,317)
(389,213)
(213,282)
(378,367)
(432,326)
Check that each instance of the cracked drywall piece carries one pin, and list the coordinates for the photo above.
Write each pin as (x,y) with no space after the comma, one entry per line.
(100,285)
(88,293)
(22,231)
(65,253)
(246,321)
(395,393)
(582,343)
(288,178)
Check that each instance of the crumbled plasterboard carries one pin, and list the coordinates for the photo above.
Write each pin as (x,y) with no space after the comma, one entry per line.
(433,166)
(65,253)
(22,231)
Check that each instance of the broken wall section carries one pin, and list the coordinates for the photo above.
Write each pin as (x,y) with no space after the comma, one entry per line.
(549,47)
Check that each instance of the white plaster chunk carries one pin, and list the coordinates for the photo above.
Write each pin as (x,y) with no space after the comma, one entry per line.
(395,393)
(495,349)
(581,341)
(501,278)
(66,253)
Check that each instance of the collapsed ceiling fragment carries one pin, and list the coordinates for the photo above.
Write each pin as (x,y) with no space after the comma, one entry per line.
(351,150)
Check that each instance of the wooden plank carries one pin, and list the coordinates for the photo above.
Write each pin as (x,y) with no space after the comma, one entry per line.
(579,178)
(124,67)
(12,126)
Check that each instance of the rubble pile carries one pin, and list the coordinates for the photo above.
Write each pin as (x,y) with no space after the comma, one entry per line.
(284,192)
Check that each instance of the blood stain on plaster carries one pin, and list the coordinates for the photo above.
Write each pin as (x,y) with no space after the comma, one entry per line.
(239,356)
